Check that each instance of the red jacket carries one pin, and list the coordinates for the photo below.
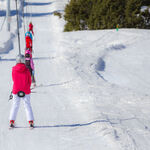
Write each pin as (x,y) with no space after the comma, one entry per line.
(31,28)
(21,79)
(28,42)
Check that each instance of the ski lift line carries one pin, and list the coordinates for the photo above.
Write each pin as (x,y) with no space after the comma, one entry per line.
(3,23)
(26,19)
(17,14)
(24,22)
(28,10)
(31,13)
(23,18)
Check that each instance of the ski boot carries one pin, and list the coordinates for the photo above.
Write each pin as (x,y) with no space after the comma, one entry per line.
(12,124)
(31,124)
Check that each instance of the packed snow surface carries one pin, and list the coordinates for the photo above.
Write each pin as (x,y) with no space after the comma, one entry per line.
(93,87)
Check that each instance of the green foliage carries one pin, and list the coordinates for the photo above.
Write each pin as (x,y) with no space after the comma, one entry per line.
(146,19)
(106,14)
(131,12)
(76,14)
(56,13)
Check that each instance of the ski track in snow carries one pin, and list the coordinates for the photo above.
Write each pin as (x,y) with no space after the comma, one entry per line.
(92,86)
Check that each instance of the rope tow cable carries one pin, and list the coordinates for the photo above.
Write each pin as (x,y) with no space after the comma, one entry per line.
(23,17)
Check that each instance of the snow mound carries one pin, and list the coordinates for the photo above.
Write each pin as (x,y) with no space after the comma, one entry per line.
(116,46)
(6,43)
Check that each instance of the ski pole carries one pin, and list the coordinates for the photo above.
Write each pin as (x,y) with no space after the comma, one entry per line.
(10,96)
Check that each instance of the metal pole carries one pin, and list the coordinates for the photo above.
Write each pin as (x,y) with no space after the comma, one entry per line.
(8,15)
(17,15)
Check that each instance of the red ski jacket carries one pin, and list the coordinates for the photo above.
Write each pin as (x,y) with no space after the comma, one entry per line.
(28,42)
(21,79)
(31,28)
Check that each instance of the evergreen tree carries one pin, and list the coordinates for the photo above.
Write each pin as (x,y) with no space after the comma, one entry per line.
(106,14)
(94,20)
(76,14)
(71,11)
(132,13)
(135,18)
(113,13)
(145,17)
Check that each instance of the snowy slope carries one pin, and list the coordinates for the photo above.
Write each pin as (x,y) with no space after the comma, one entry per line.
(92,86)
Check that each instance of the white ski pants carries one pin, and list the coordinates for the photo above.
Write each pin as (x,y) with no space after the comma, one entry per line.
(15,107)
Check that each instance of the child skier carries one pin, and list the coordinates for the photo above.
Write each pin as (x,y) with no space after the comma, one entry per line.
(28,39)
(31,27)
(30,65)
(21,90)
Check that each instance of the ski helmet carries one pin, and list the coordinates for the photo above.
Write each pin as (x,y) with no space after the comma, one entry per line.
(20,59)
(27,51)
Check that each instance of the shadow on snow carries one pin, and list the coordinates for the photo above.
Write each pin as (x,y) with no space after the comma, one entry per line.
(36,58)
(82,124)
(100,66)
(37,14)
(37,4)
(55,84)
(2,13)
(13,13)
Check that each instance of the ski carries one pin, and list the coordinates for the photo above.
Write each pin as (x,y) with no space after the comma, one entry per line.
(12,126)
(18,127)
(31,126)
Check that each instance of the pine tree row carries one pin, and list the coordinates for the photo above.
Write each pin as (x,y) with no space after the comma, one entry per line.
(106,14)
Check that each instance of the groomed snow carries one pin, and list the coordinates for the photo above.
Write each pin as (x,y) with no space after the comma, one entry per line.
(93,87)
